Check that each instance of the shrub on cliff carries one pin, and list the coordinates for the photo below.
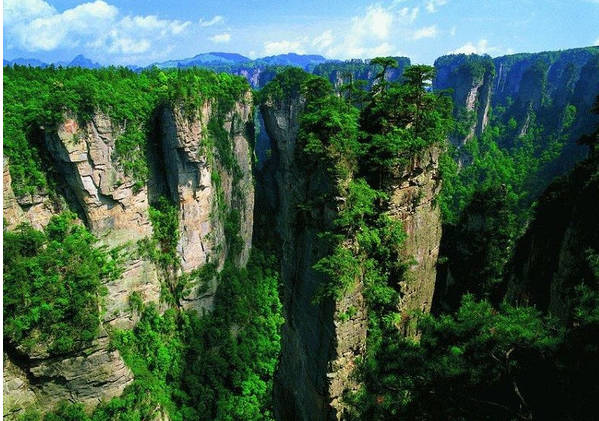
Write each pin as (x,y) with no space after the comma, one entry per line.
(53,283)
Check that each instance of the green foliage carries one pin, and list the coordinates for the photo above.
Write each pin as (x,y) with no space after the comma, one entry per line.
(220,139)
(489,224)
(162,250)
(401,121)
(487,203)
(397,121)
(359,205)
(232,233)
(216,367)
(286,85)
(342,269)
(419,76)
(164,216)
(481,363)
(385,63)
(329,134)
(53,281)
(236,350)
(36,98)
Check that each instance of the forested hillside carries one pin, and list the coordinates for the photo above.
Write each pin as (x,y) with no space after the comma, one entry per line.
(354,240)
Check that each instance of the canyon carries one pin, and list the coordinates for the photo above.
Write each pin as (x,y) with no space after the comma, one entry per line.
(260,180)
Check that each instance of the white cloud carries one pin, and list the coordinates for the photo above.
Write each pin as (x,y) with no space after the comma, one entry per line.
(596,42)
(409,15)
(34,25)
(25,10)
(129,46)
(452,31)
(367,36)
(324,40)
(433,5)
(282,47)
(213,21)
(221,38)
(426,32)
(481,47)
(377,22)
(152,24)
(383,49)
(57,29)
(380,30)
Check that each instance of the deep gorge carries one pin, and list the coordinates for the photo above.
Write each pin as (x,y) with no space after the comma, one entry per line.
(279,247)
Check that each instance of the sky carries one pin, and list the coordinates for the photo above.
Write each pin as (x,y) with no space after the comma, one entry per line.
(147,31)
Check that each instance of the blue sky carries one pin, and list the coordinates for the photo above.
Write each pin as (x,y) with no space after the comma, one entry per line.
(146,31)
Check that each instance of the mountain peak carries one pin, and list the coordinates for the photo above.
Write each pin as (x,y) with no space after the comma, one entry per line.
(83,62)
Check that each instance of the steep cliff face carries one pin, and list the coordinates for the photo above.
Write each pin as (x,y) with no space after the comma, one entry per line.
(115,208)
(530,88)
(537,107)
(36,209)
(556,252)
(301,390)
(413,191)
(470,79)
(110,203)
(205,188)
(339,73)
(322,341)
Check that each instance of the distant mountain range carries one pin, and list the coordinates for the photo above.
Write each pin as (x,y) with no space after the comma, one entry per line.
(212,60)
(205,60)
(219,61)
(79,61)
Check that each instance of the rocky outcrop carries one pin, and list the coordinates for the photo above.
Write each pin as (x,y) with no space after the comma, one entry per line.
(114,205)
(301,387)
(553,256)
(92,375)
(351,329)
(36,209)
(340,73)
(197,183)
(111,204)
(469,79)
(110,200)
(321,342)
(413,191)
(527,86)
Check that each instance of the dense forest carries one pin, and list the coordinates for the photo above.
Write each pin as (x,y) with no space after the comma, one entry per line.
(514,327)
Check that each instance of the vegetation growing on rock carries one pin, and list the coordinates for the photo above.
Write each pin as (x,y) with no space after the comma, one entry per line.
(53,285)
(37,99)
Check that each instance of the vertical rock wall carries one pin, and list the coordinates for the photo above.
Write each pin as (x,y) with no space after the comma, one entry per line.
(301,389)
(525,84)
(413,191)
(320,346)
(115,208)
(189,175)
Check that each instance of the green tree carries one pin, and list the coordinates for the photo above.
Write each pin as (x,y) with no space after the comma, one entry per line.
(386,63)
(53,283)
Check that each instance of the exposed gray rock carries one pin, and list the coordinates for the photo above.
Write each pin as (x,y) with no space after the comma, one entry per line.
(115,209)
(36,209)
(90,376)
(413,191)
(108,197)
(321,342)
(301,383)
(191,174)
